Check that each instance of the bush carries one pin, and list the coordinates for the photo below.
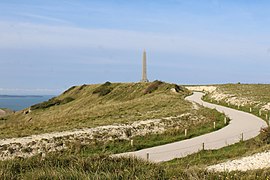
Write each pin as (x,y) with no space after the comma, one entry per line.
(82,87)
(104,89)
(152,87)
(67,100)
(178,88)
(51,102)
(265,135)
(70,89)
(46,104)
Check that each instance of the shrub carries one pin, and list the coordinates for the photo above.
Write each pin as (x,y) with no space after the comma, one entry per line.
(67,100)
(104,89)
(265,135)
(82,87)
(178,88)
(51,102)
(70,89)
(27,150)
(152,87)
(46,104)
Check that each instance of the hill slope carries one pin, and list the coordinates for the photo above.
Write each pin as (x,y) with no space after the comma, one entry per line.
(95,105)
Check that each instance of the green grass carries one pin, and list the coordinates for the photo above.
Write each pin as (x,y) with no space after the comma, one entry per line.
(93,162)
(198,162)
(257,94)
(149,140)
(125,103)
(74,167)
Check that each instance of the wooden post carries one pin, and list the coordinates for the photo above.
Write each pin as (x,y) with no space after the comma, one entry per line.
(147,156)
(225,120)
(242,136)
(260,112)
(214,125)
(203,146)
(185,132)
(131,142)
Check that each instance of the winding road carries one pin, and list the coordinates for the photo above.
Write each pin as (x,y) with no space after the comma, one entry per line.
(242,126)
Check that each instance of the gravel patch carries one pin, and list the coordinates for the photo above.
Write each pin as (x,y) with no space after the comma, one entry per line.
(57,141)
(256,161)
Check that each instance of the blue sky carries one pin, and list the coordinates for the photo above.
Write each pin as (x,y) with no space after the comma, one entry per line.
(48,46)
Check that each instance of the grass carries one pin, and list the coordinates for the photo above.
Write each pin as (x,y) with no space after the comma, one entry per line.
(74,167)
(199,161)
(255,95)
(149,140)
(93,162)
(125,103)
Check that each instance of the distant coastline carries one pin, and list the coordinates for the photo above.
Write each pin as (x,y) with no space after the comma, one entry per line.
(20,96)
(20,102)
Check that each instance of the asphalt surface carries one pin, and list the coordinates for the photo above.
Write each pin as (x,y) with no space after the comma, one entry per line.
(242,126)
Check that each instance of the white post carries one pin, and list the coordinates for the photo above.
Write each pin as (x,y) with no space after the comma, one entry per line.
(131,142)
(225,120)
(185,132)
(250,109)
(238,106)
(260,112)
(214,125)
(266,116)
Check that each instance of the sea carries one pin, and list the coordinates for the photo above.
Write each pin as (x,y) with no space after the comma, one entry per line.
(17,103)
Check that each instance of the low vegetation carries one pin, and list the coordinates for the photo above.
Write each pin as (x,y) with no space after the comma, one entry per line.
(152,87)
(93,162)
(90,106)
(51,102)
(103,89)
(245,97)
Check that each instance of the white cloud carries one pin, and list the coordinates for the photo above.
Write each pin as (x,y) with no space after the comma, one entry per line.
(29,91)
(27,35)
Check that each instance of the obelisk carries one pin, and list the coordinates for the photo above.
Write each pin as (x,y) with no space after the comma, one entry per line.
(144,68)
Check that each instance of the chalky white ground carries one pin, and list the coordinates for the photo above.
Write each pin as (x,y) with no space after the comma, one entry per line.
(2,112)
(241,123)
(256,161)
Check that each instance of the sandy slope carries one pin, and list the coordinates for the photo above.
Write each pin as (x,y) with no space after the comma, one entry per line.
(2,112)
(241,122)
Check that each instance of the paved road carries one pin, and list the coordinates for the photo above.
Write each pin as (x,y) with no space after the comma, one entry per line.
(241,122)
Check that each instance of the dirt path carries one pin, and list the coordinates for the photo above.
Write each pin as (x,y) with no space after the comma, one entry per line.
(242,126)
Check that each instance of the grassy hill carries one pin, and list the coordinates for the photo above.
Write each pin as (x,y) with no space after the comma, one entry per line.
(96,105)
(243,97)
(93,105)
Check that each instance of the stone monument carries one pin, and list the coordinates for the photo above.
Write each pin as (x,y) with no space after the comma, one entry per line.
(144,68)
